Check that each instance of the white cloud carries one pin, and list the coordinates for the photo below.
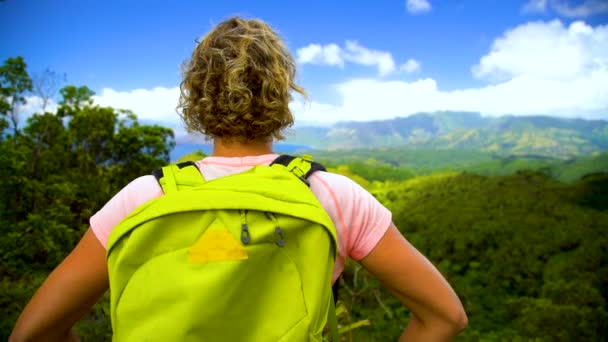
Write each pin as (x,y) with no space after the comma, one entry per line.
(151,104)
(330,54)
(584,9)
(535,6)
(418,6)
(546,51)
(157,105)
(566,8)
(369,99)
(353,52)
(34,105)
(313,113)
(539,68)
(411,66)
(358,54)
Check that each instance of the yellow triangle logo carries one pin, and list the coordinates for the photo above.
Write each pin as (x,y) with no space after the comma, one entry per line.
(216,244)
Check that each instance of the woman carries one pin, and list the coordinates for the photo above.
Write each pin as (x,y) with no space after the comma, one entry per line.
(236,90)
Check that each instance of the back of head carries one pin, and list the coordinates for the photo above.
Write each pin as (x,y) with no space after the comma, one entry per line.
(237,84)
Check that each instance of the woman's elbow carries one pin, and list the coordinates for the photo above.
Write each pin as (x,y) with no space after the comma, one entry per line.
(463,321)
(450,324)
(458,321)
(22,336)
(16,337)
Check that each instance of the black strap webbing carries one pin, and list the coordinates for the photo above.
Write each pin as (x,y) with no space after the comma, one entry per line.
(158,173)
(186,163)
(285,159)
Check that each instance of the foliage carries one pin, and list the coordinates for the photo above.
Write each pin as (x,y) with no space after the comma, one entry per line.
(575,169)
(73,98)
(14,83)
(402,163)
(526,253)
(526,259)
(421,160)
(54,174)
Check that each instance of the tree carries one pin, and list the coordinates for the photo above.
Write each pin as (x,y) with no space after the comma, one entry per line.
(45,85)
(14,83)
(58,172)
(74,99)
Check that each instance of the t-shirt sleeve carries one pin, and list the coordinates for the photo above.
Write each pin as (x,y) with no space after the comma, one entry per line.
(134,194)
(369,222)
(358,215)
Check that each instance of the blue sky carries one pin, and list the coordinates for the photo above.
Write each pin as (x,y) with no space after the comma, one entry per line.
(358,60)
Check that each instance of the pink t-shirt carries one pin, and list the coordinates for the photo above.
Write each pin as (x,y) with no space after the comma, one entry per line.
(360,219)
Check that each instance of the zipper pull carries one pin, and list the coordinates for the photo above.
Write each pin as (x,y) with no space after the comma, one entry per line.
(280,239)
(245,236)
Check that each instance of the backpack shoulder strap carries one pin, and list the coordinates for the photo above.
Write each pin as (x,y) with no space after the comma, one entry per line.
(177,177)
(302,167)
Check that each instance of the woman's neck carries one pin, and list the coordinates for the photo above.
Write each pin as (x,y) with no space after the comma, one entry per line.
(238,149)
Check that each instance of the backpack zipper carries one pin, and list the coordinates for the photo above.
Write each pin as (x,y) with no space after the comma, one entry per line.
(245,236)
(279,238)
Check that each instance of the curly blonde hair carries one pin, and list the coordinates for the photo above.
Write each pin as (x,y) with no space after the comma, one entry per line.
(237,84)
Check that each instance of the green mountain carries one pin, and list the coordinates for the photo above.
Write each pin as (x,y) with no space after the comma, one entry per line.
(506,135)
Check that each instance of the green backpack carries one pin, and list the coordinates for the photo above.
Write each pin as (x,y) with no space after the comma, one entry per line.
(246,257)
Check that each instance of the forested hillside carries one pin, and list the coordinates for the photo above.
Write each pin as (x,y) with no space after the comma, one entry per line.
(526,252)
(400,162)
(527,255)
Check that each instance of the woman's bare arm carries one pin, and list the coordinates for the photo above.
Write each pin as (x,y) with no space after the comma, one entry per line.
(66,295)
(438,314)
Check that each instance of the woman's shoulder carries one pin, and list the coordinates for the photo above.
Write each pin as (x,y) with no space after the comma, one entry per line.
(343,195)
(142,189)
(336,182)
(134,194)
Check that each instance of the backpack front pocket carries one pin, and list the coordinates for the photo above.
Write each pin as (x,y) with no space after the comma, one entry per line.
(255,299)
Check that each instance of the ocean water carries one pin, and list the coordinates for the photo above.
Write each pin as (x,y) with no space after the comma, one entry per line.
(183,149)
